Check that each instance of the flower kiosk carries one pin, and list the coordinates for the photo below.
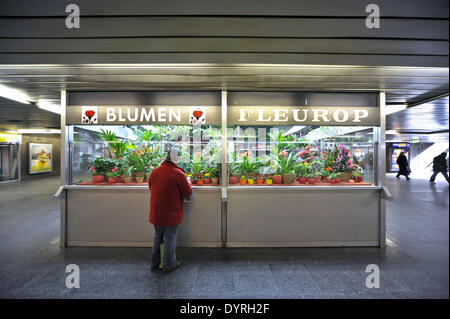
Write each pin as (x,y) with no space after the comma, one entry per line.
(269,169)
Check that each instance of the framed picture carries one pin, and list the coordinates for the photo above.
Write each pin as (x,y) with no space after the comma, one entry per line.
(40,158)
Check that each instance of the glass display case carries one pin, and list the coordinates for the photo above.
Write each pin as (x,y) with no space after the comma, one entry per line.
(301,155)
(126,155)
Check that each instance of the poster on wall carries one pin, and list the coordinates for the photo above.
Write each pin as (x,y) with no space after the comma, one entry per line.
(40,158)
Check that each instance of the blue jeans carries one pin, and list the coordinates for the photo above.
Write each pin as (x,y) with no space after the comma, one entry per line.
(168,236)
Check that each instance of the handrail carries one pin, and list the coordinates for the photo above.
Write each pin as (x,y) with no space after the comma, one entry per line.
(386,194)
(59,193)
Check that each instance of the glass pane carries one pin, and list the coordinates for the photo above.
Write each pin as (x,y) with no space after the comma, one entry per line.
(130,153)
(297,155)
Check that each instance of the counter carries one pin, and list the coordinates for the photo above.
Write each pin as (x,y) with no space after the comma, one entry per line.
(118,216)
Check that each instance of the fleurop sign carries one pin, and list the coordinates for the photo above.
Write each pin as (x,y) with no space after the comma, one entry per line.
(211,115)
(291,115)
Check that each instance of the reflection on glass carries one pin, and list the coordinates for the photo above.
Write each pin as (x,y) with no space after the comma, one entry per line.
(298,155)
(128,154)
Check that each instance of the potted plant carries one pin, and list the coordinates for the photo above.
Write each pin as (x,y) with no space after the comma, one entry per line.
(100,166)
(250,180)
(243,180)
(277,178)
(112,175)
(301,171)
(325,174)
(311,178)
(199,179)
(127,178)
(357,177)
(233,180)
(337,178)
(343,163)
(206,178)
(269,180)
(259,179)
(286,163)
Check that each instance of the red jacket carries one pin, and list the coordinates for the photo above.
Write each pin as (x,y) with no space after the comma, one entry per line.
(168,189)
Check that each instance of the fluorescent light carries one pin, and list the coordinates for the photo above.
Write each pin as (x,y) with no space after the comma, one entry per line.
(395,108)
(14,94)
(39,131)
(392,132)
(49,106)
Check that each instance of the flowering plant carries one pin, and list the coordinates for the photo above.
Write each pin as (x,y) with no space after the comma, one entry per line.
(112,173)
(100,166)
(343,159)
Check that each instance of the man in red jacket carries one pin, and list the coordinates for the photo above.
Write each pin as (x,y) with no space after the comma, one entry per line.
(168,188)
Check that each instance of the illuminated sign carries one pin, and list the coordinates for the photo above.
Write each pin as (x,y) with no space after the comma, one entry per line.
(7,137)
(400,145)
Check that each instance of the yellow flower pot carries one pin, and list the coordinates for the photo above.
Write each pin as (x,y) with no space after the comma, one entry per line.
(250,181)
(268,181)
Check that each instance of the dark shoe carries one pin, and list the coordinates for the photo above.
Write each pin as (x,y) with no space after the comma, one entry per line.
(407,178)
(172,267)
(155,268)
(398,177)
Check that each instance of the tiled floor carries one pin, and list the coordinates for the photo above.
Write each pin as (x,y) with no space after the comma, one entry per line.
(414,265)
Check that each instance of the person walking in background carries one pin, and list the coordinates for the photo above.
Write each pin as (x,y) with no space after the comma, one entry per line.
(439,166)
(168,188)
(403,167)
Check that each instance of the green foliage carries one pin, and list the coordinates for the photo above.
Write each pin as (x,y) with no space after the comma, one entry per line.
(287,162)
(100,166)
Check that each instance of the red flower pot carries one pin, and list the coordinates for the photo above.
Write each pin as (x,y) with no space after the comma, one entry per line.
(206,181)
(259,181)
(302,180)
(358,179)
(98,178)
(331,180)
(277,179)
(233,180)
(112,179)
(200,182)
(337,180)
(311,180)
(121,179)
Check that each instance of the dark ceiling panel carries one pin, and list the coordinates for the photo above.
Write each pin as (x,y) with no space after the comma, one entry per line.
(346,8)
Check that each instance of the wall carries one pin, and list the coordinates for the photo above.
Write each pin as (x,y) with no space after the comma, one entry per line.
(53,139)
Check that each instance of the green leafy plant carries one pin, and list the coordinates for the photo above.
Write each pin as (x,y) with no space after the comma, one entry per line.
(100,166)
(287,162)
(117,146)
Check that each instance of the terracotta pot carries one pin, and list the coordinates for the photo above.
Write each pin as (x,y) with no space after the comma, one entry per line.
(128,179)
(199,181)
(215,180)
(112,179)
(98,178)
(311,180)
(277,179)
(233,180)
(288,178)
(206,181)
(140,178)
(337,180)
(242,181)
(345,177)
(302,180)
(259,181)
(330,180)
